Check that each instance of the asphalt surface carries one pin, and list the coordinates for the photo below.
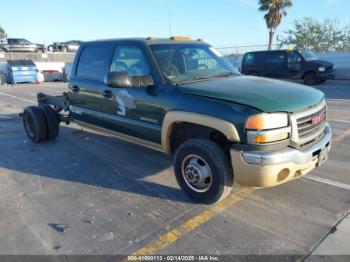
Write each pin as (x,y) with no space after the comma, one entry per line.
(86,193)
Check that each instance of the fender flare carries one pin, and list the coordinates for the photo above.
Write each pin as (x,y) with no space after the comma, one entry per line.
(174,117)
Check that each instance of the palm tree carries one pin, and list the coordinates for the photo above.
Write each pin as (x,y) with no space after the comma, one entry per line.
(274,9)
(2,33)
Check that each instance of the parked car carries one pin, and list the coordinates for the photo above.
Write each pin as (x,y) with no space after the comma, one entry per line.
(21,45)
(288,64)
(183,97)
(69,46)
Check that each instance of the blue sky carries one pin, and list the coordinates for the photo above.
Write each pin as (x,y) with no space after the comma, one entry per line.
(219,22)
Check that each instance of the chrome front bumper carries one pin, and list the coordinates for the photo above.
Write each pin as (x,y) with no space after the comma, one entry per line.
(290,154)
(258,169)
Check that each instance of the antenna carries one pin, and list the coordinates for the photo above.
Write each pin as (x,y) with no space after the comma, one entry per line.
(170,33)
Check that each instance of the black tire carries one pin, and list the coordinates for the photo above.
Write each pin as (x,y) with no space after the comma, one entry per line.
(210,155)
(53,121)
(35,124)
(310,78)
(253,74)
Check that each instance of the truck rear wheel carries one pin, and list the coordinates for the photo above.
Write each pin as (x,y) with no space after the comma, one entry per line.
(53,121)
(35,124)
(203,170)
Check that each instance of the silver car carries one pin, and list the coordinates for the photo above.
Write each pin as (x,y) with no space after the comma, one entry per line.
(21,45)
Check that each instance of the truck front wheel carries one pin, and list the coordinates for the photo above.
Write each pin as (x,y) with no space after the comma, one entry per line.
(203,170)
(310,78)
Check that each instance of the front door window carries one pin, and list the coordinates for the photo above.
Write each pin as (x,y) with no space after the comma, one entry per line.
(130,59)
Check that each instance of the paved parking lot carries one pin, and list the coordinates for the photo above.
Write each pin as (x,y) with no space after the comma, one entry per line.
(85,193)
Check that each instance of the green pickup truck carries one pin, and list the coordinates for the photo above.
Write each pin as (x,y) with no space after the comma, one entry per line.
(183,97)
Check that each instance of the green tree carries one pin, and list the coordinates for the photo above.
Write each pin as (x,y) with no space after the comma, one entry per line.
(308,33)
(275,10)
(2,33)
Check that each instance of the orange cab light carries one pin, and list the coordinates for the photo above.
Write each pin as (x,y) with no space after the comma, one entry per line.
(180,38)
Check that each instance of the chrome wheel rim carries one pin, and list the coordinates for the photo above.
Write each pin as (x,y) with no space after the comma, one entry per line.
(196,173)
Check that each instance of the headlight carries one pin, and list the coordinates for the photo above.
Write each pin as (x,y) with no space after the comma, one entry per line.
(321,69)
(267,121)
(267,128)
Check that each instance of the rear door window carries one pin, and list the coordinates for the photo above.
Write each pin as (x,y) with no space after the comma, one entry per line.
(275,58)
(13,41)
(93,62)
(249,59)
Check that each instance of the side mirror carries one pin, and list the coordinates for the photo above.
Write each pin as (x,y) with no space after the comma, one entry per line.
(118,79)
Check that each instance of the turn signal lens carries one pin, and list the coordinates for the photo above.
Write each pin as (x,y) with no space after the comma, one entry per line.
(259,139)
(267,121)
(254,137)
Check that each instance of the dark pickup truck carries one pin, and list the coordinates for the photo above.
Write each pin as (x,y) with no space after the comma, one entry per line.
(183,97)
(288,64)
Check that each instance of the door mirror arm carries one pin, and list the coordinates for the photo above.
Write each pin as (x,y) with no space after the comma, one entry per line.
(143,81)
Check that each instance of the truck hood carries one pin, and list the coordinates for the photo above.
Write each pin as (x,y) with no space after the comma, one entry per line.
(264,94)
(321,63)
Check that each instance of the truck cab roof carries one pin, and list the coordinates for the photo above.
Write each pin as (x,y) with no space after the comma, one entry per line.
(150,40)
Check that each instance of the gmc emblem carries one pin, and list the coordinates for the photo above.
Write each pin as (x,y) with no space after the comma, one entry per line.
(318,119)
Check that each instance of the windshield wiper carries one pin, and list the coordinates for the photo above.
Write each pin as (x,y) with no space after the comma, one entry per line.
(194,80)
(204,78)
(226,74)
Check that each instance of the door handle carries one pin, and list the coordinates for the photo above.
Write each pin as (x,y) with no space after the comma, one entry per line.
(107,93)
(75,89)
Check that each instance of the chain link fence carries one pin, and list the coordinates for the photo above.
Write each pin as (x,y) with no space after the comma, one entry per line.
(242,49)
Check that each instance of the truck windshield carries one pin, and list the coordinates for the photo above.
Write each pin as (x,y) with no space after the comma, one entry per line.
(187,63)
(309,55)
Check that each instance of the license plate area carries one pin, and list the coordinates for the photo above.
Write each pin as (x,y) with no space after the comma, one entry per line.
(322,156)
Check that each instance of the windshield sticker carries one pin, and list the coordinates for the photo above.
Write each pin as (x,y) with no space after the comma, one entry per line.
(216,52)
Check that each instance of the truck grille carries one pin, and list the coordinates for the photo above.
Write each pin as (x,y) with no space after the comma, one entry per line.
(308,125)
(311,124)
(329,69)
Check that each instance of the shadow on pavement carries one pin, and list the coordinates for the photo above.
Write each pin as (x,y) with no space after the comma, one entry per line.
(87,158)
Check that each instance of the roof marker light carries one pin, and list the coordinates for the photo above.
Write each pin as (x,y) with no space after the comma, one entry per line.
(180,38)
